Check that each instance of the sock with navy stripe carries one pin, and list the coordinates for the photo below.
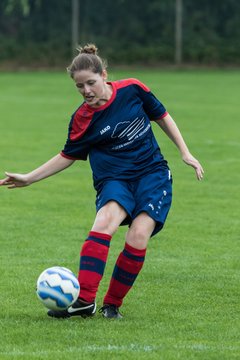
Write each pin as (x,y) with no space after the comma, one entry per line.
(93,259)
(127,268)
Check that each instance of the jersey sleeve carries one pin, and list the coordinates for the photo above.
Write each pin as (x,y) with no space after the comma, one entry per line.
(75,150)
(77,146)
(152,106)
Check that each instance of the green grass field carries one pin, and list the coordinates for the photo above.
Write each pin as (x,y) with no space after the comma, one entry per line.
(185,303)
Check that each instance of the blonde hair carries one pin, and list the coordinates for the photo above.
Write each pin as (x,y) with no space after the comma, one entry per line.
(87,59)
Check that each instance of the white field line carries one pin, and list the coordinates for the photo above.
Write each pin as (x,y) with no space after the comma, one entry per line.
(126,348)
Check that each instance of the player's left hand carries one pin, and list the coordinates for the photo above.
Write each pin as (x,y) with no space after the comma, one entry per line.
(190,160)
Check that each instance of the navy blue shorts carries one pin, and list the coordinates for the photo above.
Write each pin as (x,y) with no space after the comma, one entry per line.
(151,194)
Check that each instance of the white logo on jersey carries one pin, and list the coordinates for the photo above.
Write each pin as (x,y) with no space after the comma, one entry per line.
(105,129)
(131,130)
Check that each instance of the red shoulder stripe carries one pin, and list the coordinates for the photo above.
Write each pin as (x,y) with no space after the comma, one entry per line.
(81,121)
(126,82)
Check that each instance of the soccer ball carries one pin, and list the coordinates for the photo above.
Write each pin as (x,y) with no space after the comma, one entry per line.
(57,288)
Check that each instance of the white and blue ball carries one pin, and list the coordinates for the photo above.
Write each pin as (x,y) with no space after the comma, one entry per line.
(57,288)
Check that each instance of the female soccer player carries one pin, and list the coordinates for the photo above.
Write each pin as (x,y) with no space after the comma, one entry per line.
(131,178)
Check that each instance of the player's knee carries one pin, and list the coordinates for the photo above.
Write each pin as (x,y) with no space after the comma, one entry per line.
(137,238)
(104,223)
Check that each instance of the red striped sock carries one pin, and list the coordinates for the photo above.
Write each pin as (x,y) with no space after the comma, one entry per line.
(93,259)
(127,268)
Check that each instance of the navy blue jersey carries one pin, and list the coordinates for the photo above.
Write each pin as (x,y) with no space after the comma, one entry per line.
(117,137)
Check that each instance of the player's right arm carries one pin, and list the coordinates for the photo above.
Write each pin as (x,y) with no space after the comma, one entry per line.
(51,167)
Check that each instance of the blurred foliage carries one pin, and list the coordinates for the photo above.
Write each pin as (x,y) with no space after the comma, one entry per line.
(127,31)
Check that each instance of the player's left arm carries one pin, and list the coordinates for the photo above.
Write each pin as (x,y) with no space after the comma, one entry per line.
(170,128)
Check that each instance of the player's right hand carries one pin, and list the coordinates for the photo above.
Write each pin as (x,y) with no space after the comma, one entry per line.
(13,181)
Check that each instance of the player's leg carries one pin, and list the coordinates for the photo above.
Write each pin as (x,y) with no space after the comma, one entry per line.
(95,249)
(129,264)
(152,196)
(93,259)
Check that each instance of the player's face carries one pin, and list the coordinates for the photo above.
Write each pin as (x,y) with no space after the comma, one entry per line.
(92,87)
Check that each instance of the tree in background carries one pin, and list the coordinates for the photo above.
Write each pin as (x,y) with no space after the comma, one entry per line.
(35,31)
(39,32)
